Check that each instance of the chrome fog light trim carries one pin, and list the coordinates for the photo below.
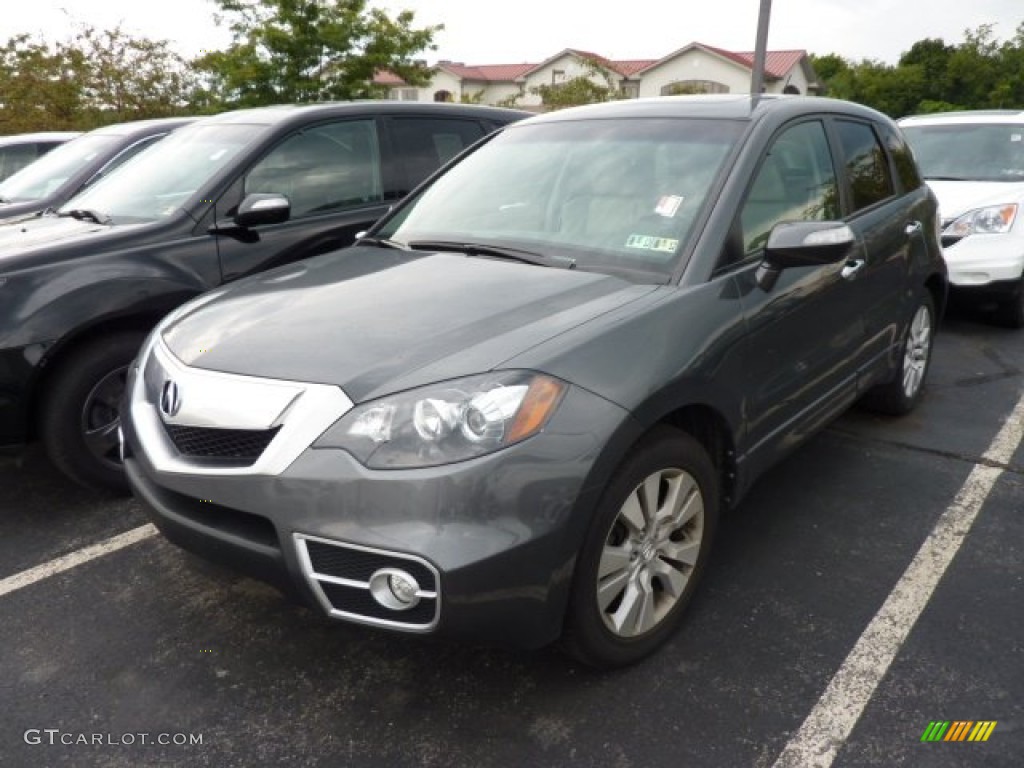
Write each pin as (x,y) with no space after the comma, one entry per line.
(380,589)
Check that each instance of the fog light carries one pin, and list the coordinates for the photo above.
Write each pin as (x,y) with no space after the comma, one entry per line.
(394,589)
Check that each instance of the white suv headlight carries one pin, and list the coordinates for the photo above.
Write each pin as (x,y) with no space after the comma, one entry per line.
(991,220)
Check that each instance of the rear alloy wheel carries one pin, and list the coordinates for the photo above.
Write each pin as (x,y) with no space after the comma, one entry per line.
(644,553)
(902,394)
(81,415)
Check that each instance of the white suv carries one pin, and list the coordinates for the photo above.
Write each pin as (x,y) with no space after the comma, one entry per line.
(974,161)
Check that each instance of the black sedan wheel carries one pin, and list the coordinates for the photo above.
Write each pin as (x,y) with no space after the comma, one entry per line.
(644,553)
(902,394)
(82,414)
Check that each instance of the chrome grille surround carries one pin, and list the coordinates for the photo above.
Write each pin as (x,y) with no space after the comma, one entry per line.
(210,399)
(318,581)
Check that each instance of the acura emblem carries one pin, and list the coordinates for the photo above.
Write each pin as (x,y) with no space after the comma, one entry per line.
(170,399)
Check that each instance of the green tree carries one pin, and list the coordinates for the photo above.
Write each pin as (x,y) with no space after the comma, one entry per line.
(311,50)
(579,90)
(94,78)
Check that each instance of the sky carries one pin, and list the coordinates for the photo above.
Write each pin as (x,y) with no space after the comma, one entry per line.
(515,31)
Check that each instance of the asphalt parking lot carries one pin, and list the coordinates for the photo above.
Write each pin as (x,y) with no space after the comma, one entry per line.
(144,643)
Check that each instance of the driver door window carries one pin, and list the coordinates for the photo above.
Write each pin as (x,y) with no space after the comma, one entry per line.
(796,182)
(322,169)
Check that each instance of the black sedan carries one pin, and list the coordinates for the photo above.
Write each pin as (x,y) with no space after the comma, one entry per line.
(227,196)
(515,409)
(51,181)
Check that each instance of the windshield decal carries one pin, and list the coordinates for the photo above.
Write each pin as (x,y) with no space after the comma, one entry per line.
(651,243)
(668,205)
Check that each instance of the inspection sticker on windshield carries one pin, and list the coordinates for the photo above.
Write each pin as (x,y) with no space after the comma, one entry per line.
(668,205)
(649,243)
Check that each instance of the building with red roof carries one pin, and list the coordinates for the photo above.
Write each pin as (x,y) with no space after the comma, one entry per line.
(695,68)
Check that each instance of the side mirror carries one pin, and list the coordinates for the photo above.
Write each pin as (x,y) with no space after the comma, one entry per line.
(263,208)
(803,244)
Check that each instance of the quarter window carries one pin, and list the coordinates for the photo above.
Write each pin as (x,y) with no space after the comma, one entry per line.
(427,143)
(322,168)
(796,182)
(866,166)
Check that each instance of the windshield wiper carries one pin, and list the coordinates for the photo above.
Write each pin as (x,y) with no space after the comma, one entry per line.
(949,178)
(87,214)
(382,242)
(499,252)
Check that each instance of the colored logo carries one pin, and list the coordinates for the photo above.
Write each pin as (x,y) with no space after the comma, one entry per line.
(958,730)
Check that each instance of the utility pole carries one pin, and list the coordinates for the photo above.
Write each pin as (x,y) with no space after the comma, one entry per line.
(760,50)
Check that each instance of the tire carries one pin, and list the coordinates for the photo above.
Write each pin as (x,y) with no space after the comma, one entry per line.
(903,392)
(1010,312)
(81,412)
(633,580)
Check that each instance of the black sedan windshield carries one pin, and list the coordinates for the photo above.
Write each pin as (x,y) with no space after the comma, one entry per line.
(161,179)
(608,194)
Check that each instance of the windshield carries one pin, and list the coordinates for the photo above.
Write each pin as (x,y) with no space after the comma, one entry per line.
(969,151)
(609,194)
(45,175)
(157,181)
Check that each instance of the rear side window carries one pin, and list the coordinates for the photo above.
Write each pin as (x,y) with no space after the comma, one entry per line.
(866,165)
(906,168)
(424,144)
(16,157)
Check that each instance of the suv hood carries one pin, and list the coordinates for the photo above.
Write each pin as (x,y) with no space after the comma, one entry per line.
(374,321)
(958,197)
(17,236)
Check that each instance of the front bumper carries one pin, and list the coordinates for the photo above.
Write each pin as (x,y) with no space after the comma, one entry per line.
(990,262)
(499,533)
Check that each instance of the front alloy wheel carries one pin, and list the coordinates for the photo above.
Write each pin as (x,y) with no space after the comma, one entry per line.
(644,551)
(81,412)
(650,552)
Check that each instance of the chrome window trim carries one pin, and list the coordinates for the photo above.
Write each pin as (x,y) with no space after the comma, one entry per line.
(313,579)
(229,401)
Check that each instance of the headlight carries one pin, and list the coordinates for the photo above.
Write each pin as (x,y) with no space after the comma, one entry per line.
(993,220)
(447,422)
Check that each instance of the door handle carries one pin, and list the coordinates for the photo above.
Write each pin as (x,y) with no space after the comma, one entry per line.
(852,267)
(912,228)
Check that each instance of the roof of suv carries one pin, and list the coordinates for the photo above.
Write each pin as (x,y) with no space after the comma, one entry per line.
(1010,116)
(154,125)
(29,138)
(291,112)
(732,106)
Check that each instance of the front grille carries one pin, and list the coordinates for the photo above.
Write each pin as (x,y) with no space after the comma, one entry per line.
(212,443)
(359,565)
(340,573)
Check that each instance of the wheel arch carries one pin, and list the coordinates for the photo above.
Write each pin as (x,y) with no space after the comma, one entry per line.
(53,363)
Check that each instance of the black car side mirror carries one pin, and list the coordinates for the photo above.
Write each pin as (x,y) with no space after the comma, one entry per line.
(803,244)
(263,208)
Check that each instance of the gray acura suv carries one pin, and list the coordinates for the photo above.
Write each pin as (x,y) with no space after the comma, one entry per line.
(515,408)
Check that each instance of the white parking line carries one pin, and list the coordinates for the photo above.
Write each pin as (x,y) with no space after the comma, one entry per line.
(72,559)
(829,724)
